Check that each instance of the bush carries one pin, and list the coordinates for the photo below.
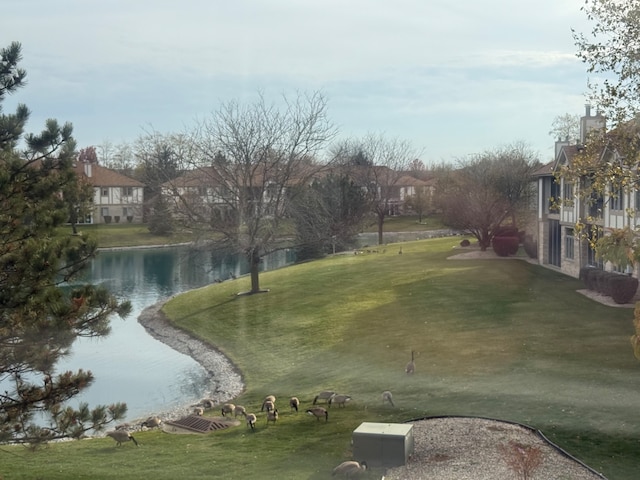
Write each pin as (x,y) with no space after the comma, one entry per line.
(465,243)
(587,275)
(602,282)
(506,231)
(623,288)
(129,218)
(530,246)
(107,219)
(117,218)
(505,246)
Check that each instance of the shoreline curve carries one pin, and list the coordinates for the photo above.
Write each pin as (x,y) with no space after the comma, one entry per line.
(225,379)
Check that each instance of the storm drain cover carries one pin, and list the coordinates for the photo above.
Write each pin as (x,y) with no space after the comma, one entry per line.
(198,424)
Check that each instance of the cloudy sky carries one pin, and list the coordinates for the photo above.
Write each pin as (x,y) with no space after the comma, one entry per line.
(453,77)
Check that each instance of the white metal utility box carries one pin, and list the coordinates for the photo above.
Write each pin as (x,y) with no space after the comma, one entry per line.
(383,444)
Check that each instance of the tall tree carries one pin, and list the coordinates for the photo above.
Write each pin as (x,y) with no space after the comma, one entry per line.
(486,189)
(328,215)
(566,127)
(381,163)
(39,317)
(251,158)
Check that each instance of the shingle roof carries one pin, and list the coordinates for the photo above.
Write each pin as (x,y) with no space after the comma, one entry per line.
(105,177)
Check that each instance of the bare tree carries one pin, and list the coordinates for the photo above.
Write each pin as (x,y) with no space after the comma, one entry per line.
(566,127)
(384,161)
(250,158)
(485,190)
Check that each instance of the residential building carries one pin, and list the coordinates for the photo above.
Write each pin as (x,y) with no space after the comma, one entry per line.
(560,207)
(116,198)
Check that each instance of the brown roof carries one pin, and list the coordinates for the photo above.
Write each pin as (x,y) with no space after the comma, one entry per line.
(105,177)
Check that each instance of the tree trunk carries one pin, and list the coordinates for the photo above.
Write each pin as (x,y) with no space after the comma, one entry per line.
(254,261)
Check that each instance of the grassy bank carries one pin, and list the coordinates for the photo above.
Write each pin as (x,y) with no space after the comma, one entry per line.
(501,338)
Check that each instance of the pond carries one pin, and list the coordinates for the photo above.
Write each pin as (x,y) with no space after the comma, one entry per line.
(131,366)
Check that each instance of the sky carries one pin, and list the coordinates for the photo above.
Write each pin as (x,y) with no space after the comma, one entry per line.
(454,78)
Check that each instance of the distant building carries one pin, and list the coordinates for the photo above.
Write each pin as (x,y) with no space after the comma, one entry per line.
(116,198)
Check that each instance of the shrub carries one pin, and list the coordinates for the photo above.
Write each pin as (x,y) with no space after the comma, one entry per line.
(107,219)
(129,218)
(117,218)
(586,275)
(505,246)
(522,459)
(465,243)
(506,231)
(530,246)
(622,288)
(602,282)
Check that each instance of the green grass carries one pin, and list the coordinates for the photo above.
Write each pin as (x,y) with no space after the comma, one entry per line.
(126,235)
(407,223)
(503,339)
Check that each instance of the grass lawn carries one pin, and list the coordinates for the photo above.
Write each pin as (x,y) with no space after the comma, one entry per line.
(126,235)
(502,338)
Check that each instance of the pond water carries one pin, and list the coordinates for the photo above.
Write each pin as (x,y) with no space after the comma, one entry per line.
(131,366)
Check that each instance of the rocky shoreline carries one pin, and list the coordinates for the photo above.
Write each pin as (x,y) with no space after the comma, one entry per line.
(225,379)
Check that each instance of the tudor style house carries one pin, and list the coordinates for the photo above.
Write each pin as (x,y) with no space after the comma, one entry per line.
(560,207)
(116,198)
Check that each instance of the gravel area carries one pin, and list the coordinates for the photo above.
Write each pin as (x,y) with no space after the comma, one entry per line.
(464,448)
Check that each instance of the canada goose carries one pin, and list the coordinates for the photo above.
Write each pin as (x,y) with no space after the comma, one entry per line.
(340,400)
(121,436)
(268,403)
(272,416)
(227,408)
(208,404)
(349,469)
(199,411)
(387,397)
(238,410)
(319,412)
(294,403)
(152,422)
(251,420)
(411,366)
(324,395)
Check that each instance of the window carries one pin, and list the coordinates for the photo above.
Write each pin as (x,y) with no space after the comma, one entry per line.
(569,243)
(104,211)
(567,194)
(617,199)
(554,197)
(125,212)
(126,191)
(105,192)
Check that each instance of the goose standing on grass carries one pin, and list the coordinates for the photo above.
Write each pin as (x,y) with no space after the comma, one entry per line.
(411,366)
(272,416)
(294,403)
(387,397)
(349,469)
(227,408)
(152,422)
(324,395)
(251,420)
(239,410)
(198,411)
(269,403)
(340,400)
(121,436)
(319,412)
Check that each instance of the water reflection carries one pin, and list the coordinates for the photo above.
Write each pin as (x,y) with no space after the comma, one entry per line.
(130,365)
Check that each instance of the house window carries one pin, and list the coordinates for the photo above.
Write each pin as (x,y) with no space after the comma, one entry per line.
(638,201)
(569,243)
(554,197)
(104,211)
(127,191)
(125,212)
(617,199)
(105,192)
(567,194)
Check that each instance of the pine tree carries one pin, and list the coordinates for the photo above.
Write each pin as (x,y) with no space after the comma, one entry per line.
(40,316)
